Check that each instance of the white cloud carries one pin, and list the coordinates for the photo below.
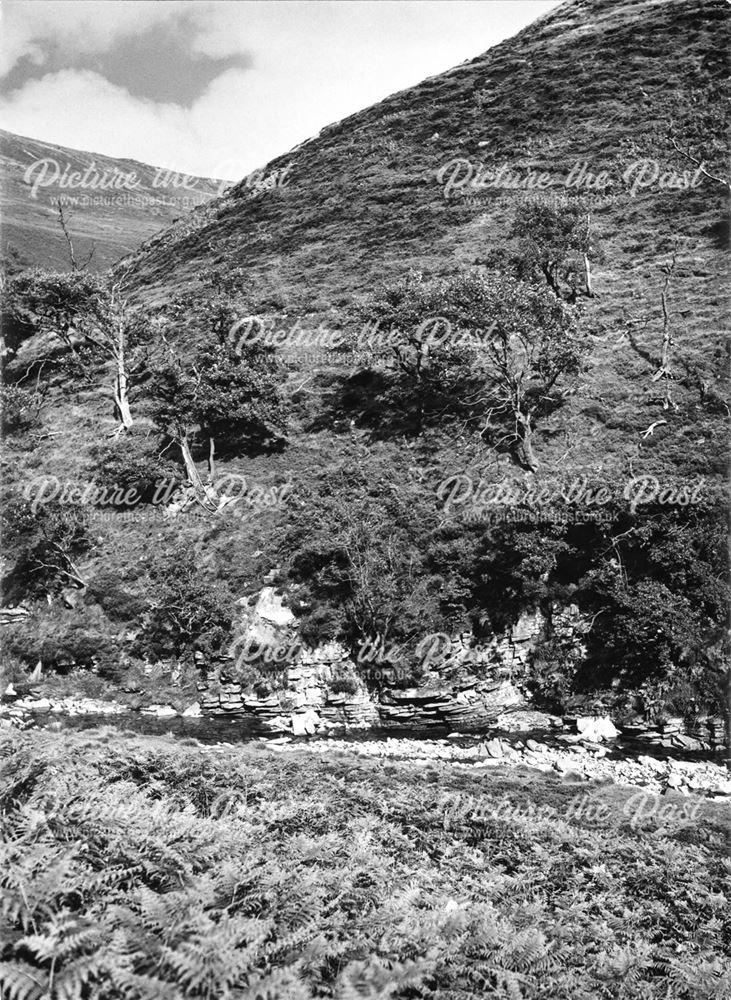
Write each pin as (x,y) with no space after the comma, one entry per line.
(78,26)
(314,62)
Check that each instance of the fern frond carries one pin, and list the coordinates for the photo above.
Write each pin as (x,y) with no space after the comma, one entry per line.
(21,982)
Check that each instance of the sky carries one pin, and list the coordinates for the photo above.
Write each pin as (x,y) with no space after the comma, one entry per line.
(217,88)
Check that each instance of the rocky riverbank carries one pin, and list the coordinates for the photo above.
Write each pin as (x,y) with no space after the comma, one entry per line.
(579,761)
(578,749)
(21,712)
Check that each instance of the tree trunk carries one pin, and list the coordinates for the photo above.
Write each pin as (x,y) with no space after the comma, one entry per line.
(121,401)
(121,386)
(587,264)
(727,719)
(667,337)
(211,460)
(587,277)
(193,477)
(663,371)
(549,271)
(525,445)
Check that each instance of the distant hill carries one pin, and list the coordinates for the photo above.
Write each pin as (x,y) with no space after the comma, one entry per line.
(111,204)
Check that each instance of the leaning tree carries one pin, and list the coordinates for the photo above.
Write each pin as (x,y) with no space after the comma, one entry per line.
(91,317)
(222,393)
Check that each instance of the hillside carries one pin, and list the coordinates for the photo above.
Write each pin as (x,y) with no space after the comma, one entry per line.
(581,85)
(362,546)
(111,204)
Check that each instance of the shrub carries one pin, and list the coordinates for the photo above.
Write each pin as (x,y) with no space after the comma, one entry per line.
(45,544)
(114,597)
(20,408)
(189,611)
(66,639)
(343,682)
(131,468)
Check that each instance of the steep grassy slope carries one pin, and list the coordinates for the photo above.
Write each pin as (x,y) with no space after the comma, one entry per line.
(110,203)
(363,204)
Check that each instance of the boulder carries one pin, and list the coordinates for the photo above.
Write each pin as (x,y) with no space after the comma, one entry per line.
(596,728)
(305,723)
(193,711)
(165,711)
(269,606)
(279,724)
(722,788)
(298,725)
(683,742)
(674,780)
(494,748)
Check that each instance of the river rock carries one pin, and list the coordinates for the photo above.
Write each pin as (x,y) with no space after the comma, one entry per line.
(596,728)
(520,720)
(652,762)
(670,726)
(683,742)
(279,724)
(722,788)
(40,705)
(572,776)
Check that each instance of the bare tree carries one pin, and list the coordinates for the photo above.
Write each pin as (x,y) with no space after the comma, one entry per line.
(663,371)
(92,318)
(63,222)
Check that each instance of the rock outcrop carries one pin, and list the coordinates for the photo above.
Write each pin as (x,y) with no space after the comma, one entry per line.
(463,685)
